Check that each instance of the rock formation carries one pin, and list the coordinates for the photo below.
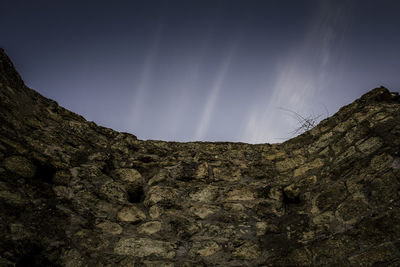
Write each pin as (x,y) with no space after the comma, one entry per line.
(73,193)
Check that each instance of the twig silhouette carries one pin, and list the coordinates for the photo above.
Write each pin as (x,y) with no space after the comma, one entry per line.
(305,123)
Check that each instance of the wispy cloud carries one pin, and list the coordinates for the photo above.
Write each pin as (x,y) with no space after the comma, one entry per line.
(180,107)
(145,80)
(213,95)
(290,90)
(299,78)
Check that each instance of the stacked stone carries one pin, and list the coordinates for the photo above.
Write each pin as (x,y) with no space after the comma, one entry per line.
(76,194)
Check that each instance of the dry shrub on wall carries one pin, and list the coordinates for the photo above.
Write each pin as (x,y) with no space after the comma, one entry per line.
(304,122)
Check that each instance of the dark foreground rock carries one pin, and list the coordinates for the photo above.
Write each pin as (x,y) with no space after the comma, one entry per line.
(76,194)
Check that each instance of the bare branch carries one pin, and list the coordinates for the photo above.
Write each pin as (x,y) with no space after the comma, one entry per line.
(305,123)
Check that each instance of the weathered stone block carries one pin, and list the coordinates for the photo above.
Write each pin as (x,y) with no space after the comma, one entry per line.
(110,227)
(150,227)
(143,247)
(20,165)
(131,214)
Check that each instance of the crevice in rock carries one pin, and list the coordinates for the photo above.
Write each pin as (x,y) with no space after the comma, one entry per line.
(136,194)
(44,173)
(263,192)
(108,166)
(287,200)
(147,158)
(32,255)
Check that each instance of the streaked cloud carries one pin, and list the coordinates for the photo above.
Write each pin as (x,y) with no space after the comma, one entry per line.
(176,71)
(299,78)
(146,76)
(213,95)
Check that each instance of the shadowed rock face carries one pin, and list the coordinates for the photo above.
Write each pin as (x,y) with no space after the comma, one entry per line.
(76,194)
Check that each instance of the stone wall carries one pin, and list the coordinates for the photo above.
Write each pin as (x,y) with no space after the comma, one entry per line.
(76,194)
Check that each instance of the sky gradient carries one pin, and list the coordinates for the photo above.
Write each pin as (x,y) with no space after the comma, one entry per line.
(203,70)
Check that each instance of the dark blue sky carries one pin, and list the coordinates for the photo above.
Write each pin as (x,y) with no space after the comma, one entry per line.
(203,70)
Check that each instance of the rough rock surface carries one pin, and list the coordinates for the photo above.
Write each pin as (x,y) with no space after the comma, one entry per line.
(76,194)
